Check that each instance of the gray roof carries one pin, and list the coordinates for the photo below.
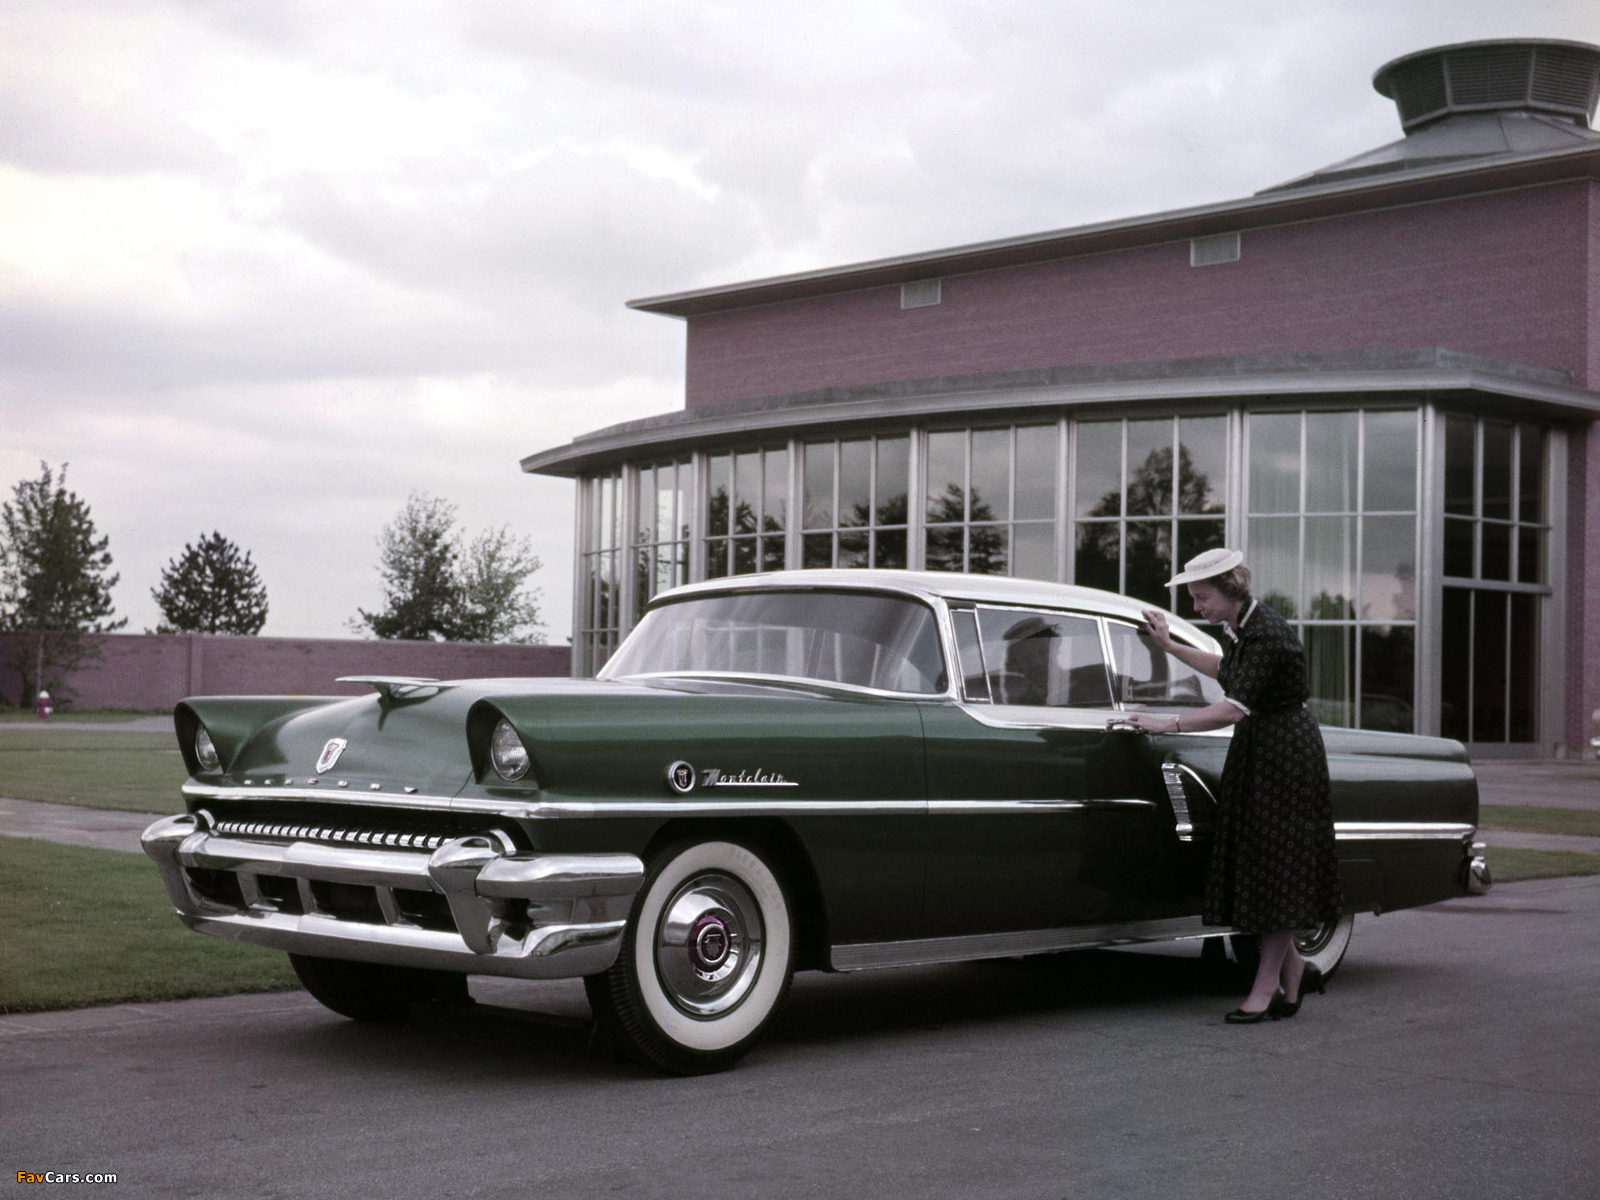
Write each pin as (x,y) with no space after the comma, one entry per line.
(1189,382)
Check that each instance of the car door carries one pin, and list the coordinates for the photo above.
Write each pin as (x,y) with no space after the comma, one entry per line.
(1040,816)
(1186,766)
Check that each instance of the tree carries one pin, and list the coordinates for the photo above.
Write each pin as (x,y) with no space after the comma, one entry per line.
(1148,545)
(434,592)
(499,607)
(211,589)
(55,586)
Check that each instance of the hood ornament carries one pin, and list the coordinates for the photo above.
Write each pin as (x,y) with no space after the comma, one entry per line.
(330,754)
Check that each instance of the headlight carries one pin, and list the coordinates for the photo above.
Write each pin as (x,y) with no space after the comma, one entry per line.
(205,752)
(507,753)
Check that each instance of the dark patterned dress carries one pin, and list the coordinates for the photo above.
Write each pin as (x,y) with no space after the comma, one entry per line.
(1273,864)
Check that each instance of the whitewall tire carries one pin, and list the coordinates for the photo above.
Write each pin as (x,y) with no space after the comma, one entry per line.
(706,961)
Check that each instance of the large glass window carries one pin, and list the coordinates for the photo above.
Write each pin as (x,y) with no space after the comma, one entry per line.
(1332,546)
(661,539)
(990,506)
(747,512)
(1495,537)
(1149,495)
(598,622)
(854,502)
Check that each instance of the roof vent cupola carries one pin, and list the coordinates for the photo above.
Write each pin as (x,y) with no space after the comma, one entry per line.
(1475,103)
(1555,78)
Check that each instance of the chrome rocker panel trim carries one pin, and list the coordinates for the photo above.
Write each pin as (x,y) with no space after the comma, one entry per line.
(861,956)
(1402,831)
(576,904)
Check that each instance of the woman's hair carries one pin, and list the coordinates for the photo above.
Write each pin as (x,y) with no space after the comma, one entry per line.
(1234,584)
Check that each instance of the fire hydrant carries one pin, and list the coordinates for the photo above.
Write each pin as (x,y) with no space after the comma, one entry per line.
(44,708)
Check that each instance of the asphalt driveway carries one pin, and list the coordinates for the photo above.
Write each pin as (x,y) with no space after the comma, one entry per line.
(1454,1055)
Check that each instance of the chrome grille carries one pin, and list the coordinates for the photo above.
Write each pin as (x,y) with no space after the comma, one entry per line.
(334,835)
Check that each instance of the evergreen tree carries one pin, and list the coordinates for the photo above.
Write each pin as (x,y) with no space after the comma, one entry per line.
(211,589)
(55,581)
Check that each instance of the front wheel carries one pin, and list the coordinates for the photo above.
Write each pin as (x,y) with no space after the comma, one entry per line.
(706,960)
(375,992)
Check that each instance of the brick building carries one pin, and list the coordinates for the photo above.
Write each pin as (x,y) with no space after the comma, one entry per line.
(1381,381)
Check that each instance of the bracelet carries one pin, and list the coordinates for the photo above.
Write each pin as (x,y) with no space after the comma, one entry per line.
(1177,723)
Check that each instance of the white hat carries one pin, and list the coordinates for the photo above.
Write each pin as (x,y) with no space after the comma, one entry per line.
(1207,566)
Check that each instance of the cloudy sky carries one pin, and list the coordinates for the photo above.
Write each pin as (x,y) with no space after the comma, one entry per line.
(267,266)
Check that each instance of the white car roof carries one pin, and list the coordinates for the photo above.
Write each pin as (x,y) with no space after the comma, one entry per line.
(943,585)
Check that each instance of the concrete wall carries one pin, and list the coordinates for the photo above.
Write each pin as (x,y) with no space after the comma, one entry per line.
(1502,275)
(154,671)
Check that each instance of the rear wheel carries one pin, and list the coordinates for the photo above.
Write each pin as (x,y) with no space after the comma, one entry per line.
(373,991)
(706,961)
(1323,947)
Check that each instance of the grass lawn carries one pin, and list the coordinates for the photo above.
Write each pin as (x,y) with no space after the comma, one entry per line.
(1509,865)
(85,927)
(99,716)
(1575,822)
(138,772)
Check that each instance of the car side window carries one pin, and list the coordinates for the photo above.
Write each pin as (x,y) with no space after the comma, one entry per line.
(1043,659)
(1147,676)
(974,679)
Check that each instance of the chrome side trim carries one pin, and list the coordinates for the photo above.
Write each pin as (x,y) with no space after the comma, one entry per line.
(861,956)
(963,808)
(986,714)
(1174,775)
(1393,831)
(736,806)
(764,807)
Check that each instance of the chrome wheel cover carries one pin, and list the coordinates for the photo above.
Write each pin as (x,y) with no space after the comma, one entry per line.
(708,945)
(1310,942)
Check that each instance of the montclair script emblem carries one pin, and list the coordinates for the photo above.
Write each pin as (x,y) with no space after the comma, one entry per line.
(330,754)
(683,778)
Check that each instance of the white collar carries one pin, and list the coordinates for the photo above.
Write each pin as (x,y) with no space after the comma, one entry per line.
(1230,630)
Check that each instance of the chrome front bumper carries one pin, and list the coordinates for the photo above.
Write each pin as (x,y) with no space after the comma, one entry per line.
(531,916)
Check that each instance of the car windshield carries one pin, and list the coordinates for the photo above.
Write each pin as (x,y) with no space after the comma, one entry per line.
(859,638)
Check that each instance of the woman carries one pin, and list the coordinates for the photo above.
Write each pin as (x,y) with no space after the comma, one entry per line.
(1273,868)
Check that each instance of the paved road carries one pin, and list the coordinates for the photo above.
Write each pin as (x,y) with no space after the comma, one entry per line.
(1455,1055)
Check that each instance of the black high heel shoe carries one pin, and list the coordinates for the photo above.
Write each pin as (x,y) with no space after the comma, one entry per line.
(1310,981)
(1240,1016)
